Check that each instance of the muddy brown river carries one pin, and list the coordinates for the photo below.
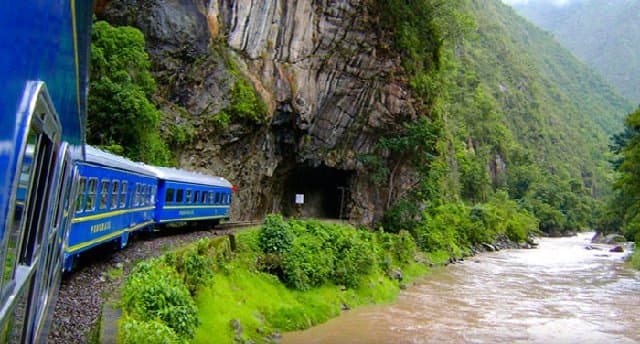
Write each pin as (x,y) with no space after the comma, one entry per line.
(557,293)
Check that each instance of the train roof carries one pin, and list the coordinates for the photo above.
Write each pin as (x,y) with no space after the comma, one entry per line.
(99,157)
(177,175)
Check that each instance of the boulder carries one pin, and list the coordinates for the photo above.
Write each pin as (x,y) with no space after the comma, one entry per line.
(489,247)
(396,275)
(617,249)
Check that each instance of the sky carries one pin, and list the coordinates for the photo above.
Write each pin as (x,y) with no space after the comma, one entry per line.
(557,3)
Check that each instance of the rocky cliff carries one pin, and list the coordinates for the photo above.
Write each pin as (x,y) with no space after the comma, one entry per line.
(331,88)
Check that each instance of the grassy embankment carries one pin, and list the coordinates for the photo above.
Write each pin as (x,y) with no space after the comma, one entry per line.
(635,258)
(281,277)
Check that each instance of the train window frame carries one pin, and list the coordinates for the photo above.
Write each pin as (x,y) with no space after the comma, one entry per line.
(205,197)
(211,195)
(170,195)
(196,196)
(218,198)
(123,194)
(115,193)
(188,196)
(92,193)
(180,196)
(82,194)
(104,194)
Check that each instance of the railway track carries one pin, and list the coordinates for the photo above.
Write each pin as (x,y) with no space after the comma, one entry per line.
(100,272)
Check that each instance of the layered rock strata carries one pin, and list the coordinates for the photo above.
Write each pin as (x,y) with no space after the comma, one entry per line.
(331,88)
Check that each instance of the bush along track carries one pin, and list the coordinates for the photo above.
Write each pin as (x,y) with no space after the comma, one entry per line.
(283,276)
(252,286)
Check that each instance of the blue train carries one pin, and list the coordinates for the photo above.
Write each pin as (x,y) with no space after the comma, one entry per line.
(58,196)
(116,196)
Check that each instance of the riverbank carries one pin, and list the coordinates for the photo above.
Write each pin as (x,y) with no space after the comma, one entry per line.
(252,286)
(557,293)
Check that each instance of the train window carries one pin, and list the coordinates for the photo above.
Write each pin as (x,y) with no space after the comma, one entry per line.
(205,197)
(154,189)
(82,185)
(147,194)
(104,194)
(217,198)
(170,194)
(143,194)
(226,198)
(123,194)
(115,193)
(137,198)
(211,194)
(180,196)
(188,198)
(196,197)
(91,194)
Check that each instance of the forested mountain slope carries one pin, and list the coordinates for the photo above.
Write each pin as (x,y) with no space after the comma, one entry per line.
(525,105)
(603,34)
(557,108)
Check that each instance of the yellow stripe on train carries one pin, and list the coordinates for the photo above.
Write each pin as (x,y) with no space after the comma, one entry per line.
(106,237)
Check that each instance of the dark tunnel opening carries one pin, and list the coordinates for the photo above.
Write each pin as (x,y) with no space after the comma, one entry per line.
(325,190)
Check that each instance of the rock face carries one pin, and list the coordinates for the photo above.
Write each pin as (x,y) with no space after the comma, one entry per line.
(331,88)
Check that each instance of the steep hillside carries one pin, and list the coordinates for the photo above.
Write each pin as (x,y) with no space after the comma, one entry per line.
(603,34)
(526,104)
(557,107)
(379,109)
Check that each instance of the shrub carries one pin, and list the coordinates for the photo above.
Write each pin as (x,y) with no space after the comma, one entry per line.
(155,292)
(275,236)
(354,255)
(150,332)
(354,259)
(195,269)
(307,264)
(404,247)
(441,228)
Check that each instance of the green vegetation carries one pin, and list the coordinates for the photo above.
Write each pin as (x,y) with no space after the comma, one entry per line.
(623,211)
(304,277)
(603,34)
(154,292)
(635,259)
(454,227)
(246,106)
(122,117)
(512,127)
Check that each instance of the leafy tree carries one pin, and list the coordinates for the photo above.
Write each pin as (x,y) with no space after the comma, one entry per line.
(122,117)
(627,198)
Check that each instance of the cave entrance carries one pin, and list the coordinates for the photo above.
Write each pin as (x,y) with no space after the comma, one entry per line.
(325,190)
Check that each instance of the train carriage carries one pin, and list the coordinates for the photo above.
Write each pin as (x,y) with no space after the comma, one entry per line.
(116,196)
(189,196)
(43,66)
